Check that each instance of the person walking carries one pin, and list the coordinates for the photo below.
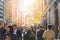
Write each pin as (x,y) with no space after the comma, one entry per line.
(2,31)
(49,34)
(16,33)
(29,35)
(6,33)
(40,33)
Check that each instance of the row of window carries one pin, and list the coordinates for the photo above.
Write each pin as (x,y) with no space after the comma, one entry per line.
(1,17)
(1,11)
(1,2)
(1,20)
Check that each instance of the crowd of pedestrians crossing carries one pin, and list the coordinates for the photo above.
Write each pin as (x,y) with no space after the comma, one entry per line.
(13,32)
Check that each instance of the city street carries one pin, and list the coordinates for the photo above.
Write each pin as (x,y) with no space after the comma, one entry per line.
(29,19)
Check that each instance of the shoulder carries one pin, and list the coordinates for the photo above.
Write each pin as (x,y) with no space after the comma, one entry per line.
(45,31)
(18,31)
(53,32)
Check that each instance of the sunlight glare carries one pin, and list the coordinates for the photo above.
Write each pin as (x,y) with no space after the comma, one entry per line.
(25,6)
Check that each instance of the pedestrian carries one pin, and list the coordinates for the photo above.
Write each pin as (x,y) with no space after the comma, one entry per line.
(40,33)
(6,33)
(2,31)
(49,34)
(16,33)
(29,35)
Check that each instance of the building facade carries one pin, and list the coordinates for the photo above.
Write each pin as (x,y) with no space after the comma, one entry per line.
(1,10)
(52,14)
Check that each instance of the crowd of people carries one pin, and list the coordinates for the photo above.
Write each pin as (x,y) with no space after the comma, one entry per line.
(12,32)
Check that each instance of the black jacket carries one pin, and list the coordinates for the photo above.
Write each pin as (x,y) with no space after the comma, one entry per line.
(39,34)
(17,35)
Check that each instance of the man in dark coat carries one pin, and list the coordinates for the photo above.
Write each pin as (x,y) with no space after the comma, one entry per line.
(39,34)
(2,31)
(16,33)
(29,35)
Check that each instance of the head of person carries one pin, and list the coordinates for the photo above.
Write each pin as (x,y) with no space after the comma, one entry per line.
(8,29)
(8,37)
(14,26)
(49,27)
(11,27)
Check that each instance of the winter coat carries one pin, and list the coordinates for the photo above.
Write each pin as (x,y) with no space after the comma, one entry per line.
(49,35)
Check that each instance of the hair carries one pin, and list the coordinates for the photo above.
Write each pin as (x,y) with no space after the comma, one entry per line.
(8,28)
(11,29)
(49,27)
